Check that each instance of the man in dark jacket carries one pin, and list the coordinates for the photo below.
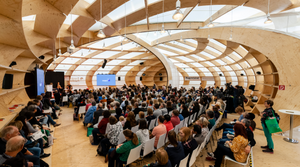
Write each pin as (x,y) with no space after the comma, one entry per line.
(98,113)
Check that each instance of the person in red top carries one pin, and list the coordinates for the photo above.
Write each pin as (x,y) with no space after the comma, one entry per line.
(175,119)
(97,132)
(168,122)
(89,103)
(159,130)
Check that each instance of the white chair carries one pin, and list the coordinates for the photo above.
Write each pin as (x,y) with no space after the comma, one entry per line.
(193,156)
(161,141)
(151,126)
(244,164)
(96,125)
(122,138)
(107,128)
(183,163)
(134,154)
(135,128)
(48,111)
(170,113)
(148,146)
(81,110)
(186,121)
(65,99)
(176,129)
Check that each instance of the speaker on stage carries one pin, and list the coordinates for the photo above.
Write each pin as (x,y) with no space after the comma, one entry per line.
(119,78)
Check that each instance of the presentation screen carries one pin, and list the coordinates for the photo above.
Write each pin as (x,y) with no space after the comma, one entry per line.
(40,79)
(106,80)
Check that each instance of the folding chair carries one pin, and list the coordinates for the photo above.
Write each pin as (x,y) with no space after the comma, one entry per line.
(148,147)
(161,141)
(152,122)
(193,156)
(134,155)
(183,163)
(135,128)
(107,128)
(122,138)
(186,121)
(81,110)
(96,125)
(240,163)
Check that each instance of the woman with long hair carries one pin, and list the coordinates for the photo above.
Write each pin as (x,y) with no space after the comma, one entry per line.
(123,150)
(174,149)
(188,142)
(235,149)
(130,121)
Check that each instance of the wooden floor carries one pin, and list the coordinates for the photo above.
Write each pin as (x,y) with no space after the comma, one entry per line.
(73,149)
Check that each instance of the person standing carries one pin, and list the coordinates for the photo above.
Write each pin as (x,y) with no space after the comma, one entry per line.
(268,112)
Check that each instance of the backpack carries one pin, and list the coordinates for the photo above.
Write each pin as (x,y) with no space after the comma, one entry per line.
(99,149)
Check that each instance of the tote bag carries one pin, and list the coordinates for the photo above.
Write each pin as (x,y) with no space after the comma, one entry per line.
(272,124)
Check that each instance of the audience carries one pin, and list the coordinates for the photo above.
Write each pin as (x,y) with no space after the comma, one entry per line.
(189,143)
(89,114)
(197,132)
(175,119)
(141,116)
(162,159)
(184,111)
(143,133)
(159,130)
(157,112)
(100,131)
(123,149)
(130,121)
(168,122)
(150,115)
(174,149)
(163,109)
(97,114)
(211,118)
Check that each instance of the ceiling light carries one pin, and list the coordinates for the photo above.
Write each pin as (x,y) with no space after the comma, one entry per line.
(89,50)
(138,35)
(268,21)
(230,38)
(178,14)
(59,52)
(181,38)
(208,37)
(210,24)
(100,33)
(162,29)
(72,45)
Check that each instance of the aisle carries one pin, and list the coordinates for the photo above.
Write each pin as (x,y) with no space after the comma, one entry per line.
(73,149)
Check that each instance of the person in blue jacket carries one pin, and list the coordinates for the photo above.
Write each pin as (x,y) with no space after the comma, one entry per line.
(174,149)
(89,114)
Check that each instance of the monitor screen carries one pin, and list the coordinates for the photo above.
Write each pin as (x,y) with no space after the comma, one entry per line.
(40,79)
(106,80)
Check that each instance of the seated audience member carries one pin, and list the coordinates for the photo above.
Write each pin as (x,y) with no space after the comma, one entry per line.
(32,109)
(195,108)
(112,107)
(123,150)
(150,115)
(103,100)
(141,116)
(251,117)
(136,108)
(189,143)
(238,110)
(216,112)
(169,106)
(211,118)
(100,131)
(144,107)
(203,122)
(143,132)
(150,105)
(98,113)
(163,109)
(10,132)
(159,130)
(175,119)
(168,122)
(76,109)
(122,120)
(13,146)
(157,112)
(162,159)
(16,162)
(119,112)
(47,118)
(89,114)
(88,104)
(128,109)
(174,149)
(197,131)
(112,136)
(185,113)
(130,121)
(235,149)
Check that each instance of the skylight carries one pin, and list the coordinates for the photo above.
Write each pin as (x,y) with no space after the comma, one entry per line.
(127,46)
(202,13)
(185,59)
(217,43)
(216,69)
(213,50)
(131,6)
(92,61)
(166,52)
(185,46)
(229,59)
(70,60)
(220,62)
(239,13)
(174,61)
(207,55)
(29,18)
(114,62)
(130,55)
(176,49)
(82,53)
(197,64)
(181,65)
(90,1)
(106,54)
(204,69)
(68,19)
(209,63)
(197,57)
(107,41)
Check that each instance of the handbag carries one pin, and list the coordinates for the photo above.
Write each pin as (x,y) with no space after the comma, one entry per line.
(89,131)
(272,124)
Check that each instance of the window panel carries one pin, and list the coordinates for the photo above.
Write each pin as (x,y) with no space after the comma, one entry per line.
(185,59)
(217,43)
(204,69)
(197,64)
(197,57)
(70,60)
(209,63)
(63,67)
(130,55)
(81,67)
(207,55)
(92,61)
(82,53)
(106,54)
(114,62)
(220,62)
(213,50)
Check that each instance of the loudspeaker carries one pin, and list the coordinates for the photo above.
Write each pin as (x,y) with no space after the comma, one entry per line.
(258,72)
(160,74)
(119,78)
(12,64)
(7,81)
(160,78)
(220,75)
(141,78)
(104,63)
(42,57)
(141,63)
(252,87)
(242,74)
